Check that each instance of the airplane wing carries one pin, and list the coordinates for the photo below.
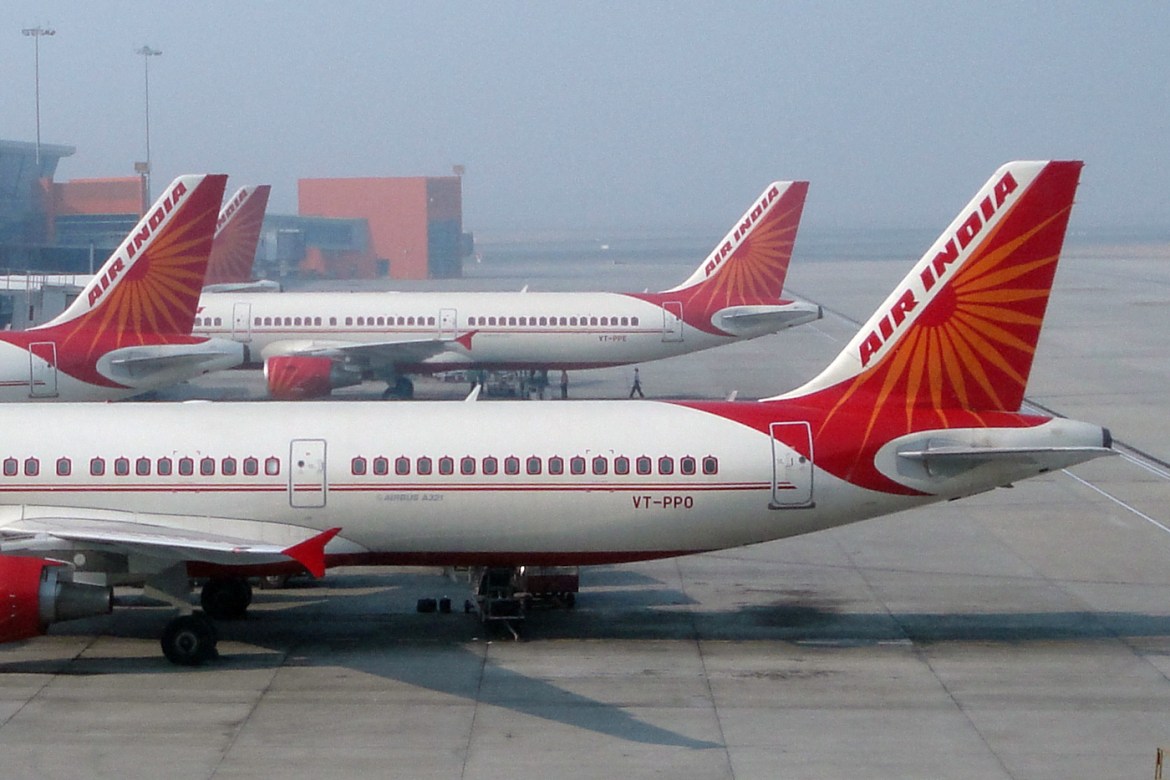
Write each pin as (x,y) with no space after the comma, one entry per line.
(57,530)
(766,319)
(377,353)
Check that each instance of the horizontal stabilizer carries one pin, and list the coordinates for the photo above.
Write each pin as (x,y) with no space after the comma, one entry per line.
(951,460)
(742,320)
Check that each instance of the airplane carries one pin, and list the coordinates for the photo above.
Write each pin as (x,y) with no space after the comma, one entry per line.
(921,406)
(311,343)
(233,251)
(130,329)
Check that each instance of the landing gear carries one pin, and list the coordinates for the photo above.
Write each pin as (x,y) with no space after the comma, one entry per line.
(226,599)
(402,389)
(189,640)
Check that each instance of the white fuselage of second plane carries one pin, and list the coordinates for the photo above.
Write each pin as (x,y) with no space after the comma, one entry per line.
(433,482)
(505,330)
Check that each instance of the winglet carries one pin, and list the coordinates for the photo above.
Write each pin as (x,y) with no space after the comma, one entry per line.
(311,552)
(465,340)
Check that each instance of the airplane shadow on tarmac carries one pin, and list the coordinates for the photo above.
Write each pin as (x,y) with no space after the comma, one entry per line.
(366,623)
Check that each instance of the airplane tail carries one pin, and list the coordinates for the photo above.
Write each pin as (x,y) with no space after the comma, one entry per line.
(749,265)
(238,231)
(960,331)
(150,285)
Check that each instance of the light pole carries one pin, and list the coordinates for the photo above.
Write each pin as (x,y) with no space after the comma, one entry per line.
(35,33)
(147,53)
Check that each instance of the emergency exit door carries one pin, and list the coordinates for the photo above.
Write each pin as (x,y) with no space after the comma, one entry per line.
(792,471)
(42,369)
(306,474)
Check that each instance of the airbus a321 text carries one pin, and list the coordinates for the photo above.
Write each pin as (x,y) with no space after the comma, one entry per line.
(311,343)
(921,406)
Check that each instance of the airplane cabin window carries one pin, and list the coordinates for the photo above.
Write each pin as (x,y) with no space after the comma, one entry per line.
(710,465)
(11,467)
(64,467)
(600,465)
(357,466)
(686,465)
(621,465)
(402,466)
(97,467)
(164,466)
(121,466)
(666,465)
(381,466)
(643,465)
(446,466)
(511,465)
(272,466)
(634,321)
(576,465)
(32,467)
(423,466)
(490,465)
(556,465)
(251,467)
(467,465)
(206,466)
(227,467)
(186,467)
(142,467)
(533,465)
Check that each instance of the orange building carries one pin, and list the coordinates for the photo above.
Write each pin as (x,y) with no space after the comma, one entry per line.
(415,226)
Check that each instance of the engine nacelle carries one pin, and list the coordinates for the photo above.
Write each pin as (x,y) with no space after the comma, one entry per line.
(296,377)
(34,595)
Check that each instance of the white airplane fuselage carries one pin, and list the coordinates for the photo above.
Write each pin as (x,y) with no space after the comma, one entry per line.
(583,483)
(550,330)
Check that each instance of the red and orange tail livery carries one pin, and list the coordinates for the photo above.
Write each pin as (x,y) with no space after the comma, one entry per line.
(951,348)
(960,331)
(151,284)
(751,262)
(236,236)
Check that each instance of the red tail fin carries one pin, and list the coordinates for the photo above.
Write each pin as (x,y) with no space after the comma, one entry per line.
(961,329)
(234,249)
(751,262)
(151,284)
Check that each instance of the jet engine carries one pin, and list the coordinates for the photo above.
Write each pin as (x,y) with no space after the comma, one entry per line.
(33,594)
(297,377)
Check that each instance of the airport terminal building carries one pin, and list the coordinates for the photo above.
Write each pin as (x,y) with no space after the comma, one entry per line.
(354,228)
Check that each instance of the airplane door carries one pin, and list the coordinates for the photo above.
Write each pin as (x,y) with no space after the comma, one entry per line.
(792,473)
(42,369)
(242,322)
(447,323)
(672,321)
(306,473)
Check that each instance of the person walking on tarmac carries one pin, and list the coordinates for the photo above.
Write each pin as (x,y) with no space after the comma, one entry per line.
(564,384)
(637,386)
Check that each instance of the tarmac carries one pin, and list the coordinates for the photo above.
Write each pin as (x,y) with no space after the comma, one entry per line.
(1023,633)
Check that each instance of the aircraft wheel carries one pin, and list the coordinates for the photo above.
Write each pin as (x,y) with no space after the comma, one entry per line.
(226,599)
(189,640)
(274,582)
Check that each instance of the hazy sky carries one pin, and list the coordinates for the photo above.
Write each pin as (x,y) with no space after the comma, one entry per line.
(614,114)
